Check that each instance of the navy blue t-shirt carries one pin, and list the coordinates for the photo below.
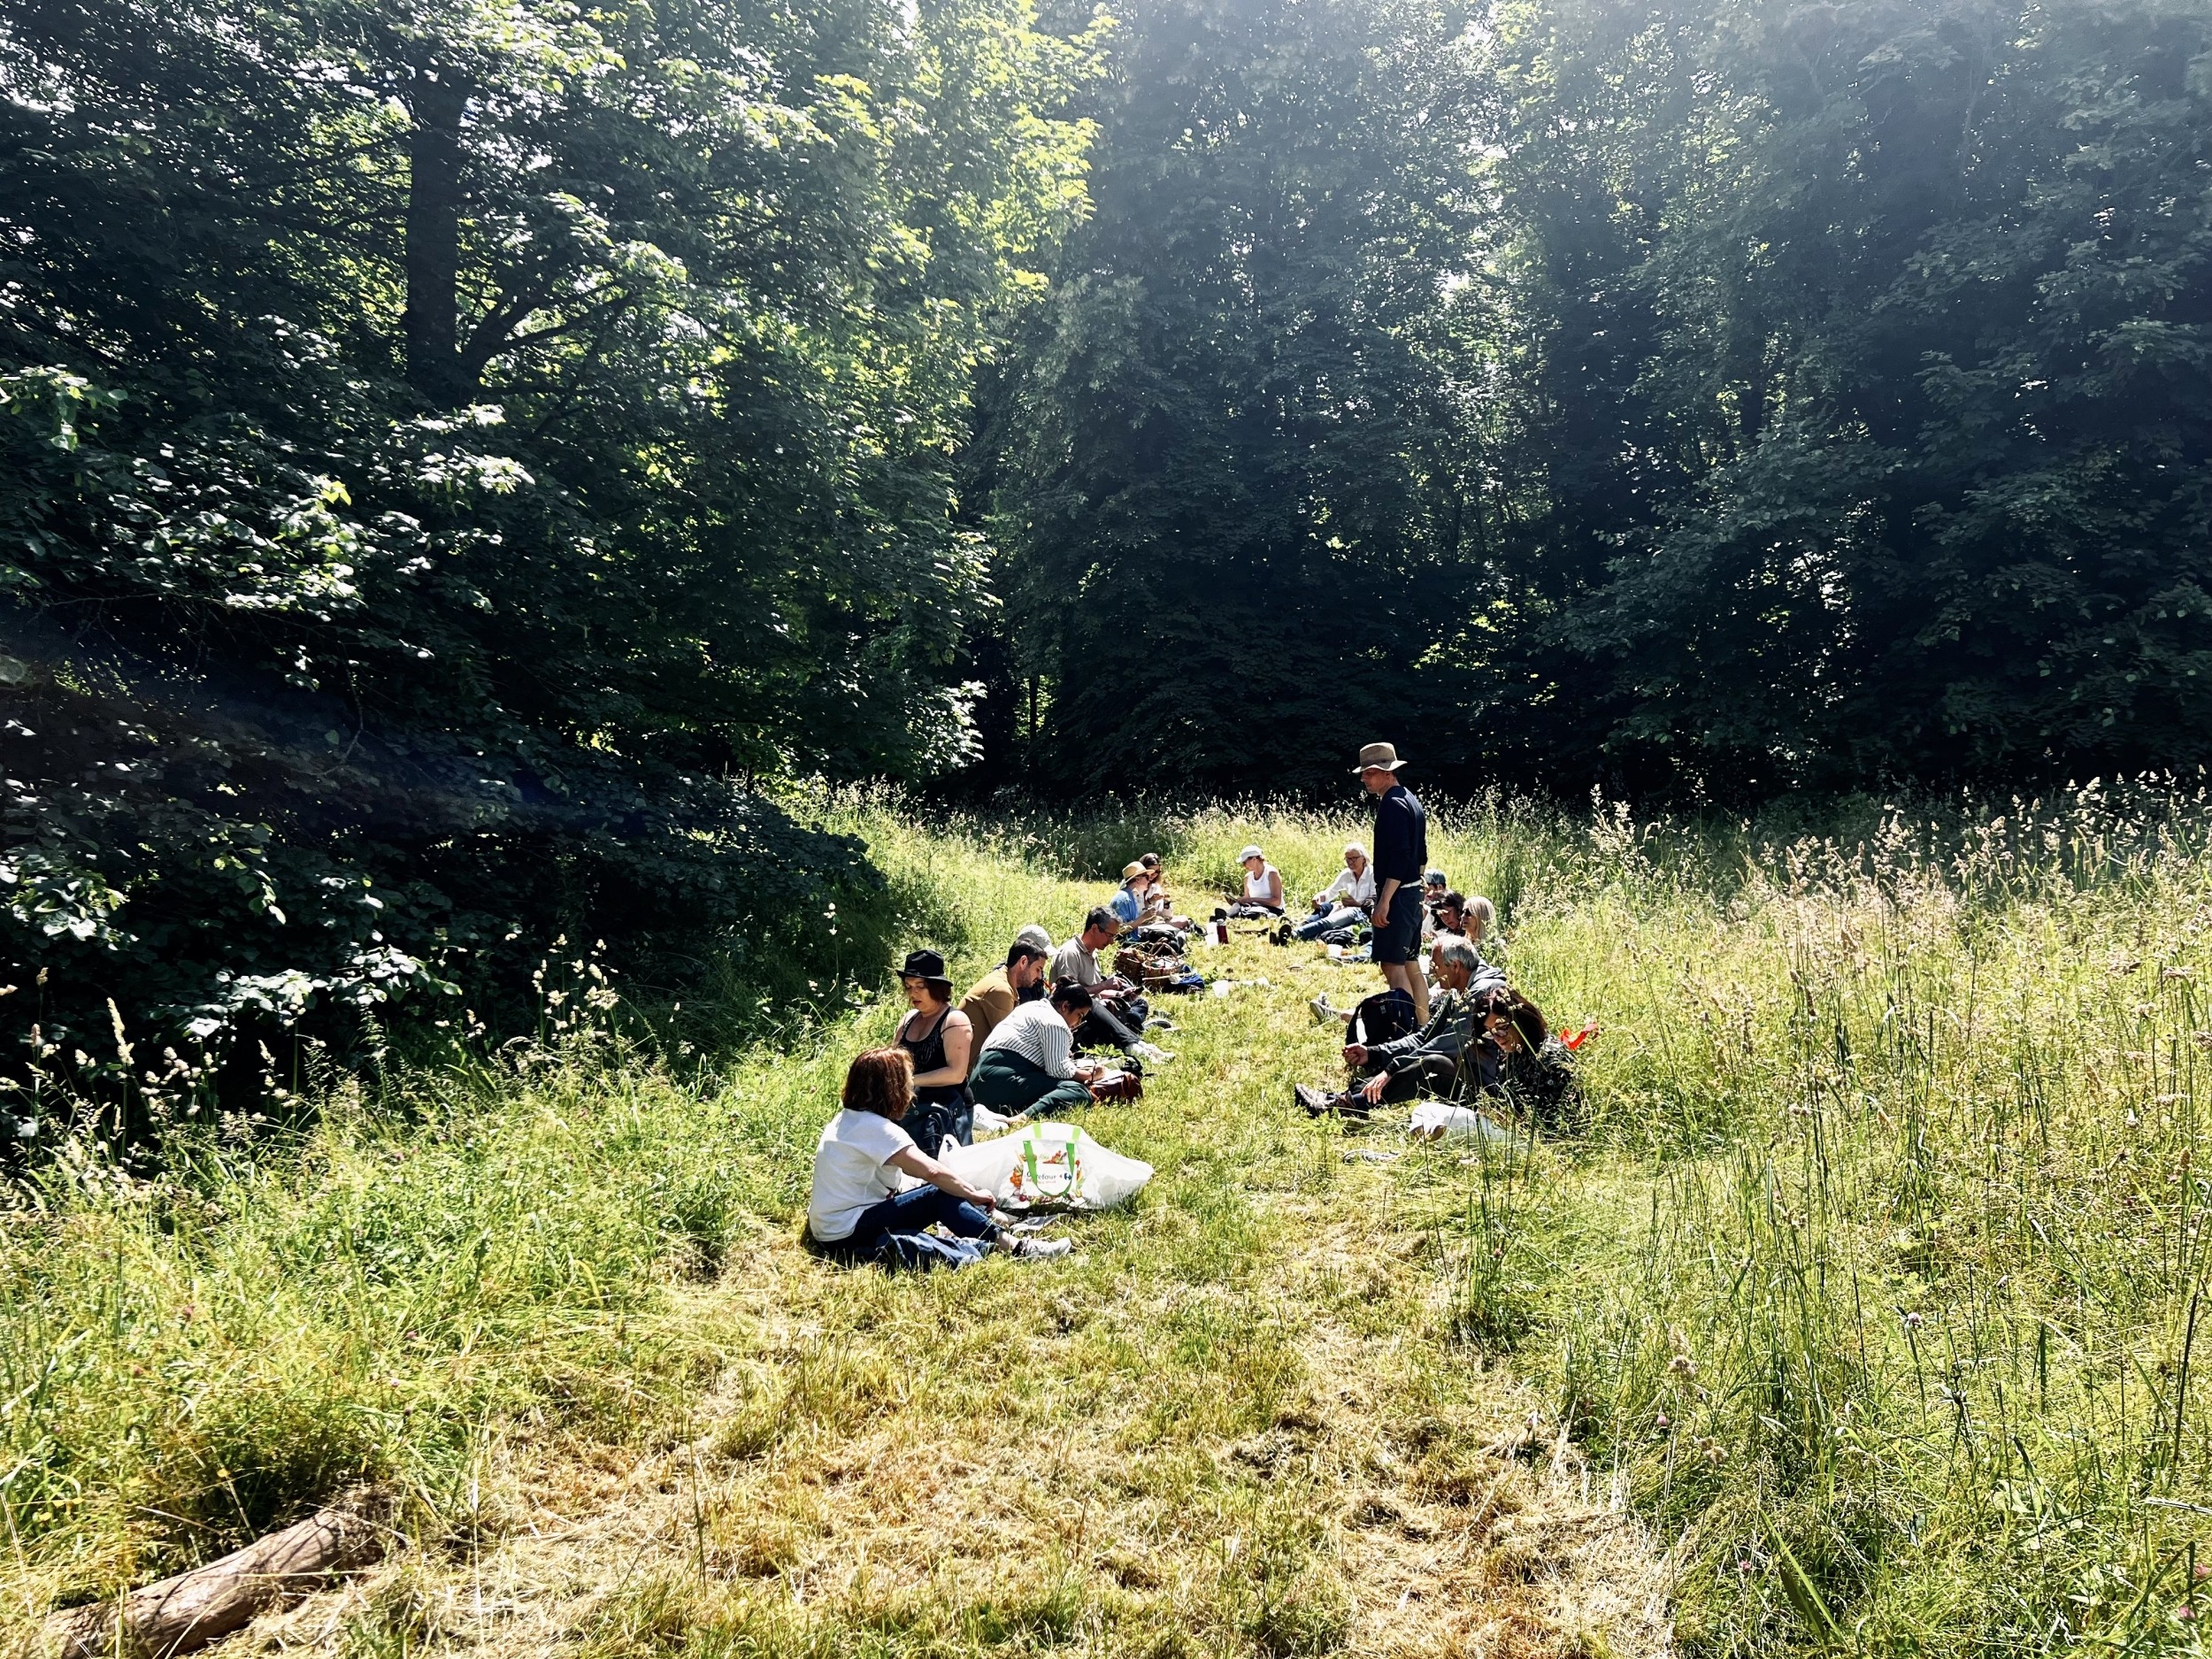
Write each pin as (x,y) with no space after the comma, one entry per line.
(1401,838)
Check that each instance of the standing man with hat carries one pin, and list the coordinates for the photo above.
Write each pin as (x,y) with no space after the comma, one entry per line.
(1401,848)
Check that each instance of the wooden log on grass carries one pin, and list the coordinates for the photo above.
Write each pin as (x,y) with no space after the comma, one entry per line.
(186,1613)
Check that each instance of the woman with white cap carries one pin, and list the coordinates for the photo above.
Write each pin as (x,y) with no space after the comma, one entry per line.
(1263,887)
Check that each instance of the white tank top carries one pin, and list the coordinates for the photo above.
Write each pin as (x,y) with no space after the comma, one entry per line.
(1256,888)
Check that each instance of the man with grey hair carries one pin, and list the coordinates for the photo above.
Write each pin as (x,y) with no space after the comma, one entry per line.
(1427,1061)
(1344,901)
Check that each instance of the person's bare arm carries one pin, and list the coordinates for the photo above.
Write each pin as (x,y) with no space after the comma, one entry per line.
(959,1040)
(913,1161)
(1383,895)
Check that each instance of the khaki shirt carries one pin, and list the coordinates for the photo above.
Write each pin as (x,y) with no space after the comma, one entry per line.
(990,1000)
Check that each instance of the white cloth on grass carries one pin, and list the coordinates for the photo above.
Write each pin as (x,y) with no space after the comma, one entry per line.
(1050,1163)
(853,1172)
(1040,1034)
(1438,1120)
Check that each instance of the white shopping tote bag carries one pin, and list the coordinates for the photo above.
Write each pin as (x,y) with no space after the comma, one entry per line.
(1049,1163)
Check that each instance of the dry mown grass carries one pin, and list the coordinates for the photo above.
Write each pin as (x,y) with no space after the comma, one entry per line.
(1235,1422)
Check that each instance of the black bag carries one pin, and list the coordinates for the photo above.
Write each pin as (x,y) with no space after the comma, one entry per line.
(1383,1017)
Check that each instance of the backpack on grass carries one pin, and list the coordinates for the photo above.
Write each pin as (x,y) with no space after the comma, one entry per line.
(1383,1017)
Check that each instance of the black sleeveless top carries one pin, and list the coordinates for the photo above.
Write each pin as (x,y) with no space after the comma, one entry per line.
(928,1052)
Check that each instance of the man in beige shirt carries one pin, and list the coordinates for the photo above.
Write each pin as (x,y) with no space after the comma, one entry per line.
(996,994)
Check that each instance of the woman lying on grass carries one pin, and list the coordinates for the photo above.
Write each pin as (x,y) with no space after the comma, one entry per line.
(857,1211)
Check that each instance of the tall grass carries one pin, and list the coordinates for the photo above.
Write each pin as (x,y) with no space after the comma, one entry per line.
(438,1256)
(1878,1284)
(1882,1282)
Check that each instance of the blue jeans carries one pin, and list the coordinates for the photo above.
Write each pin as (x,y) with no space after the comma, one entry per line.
(1327,922)
(887,1231)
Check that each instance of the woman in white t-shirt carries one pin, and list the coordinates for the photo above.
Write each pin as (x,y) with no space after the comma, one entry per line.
(856,1201)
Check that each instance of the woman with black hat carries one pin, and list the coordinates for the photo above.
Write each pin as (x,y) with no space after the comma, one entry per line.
(938,1036)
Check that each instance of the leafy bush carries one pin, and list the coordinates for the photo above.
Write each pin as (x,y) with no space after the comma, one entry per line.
(455,462)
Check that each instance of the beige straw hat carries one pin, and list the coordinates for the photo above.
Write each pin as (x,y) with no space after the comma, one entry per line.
(1382,755)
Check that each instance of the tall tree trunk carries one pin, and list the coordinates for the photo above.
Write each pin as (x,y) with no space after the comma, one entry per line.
(434,236)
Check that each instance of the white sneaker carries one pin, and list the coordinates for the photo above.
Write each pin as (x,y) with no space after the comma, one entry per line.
(1153,1052)
(1041,1249)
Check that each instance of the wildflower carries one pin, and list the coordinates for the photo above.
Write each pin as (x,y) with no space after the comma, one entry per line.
(1662,1423)
(1913,1322)
(1682,1365)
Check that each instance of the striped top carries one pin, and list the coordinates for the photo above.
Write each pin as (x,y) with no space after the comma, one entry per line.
(1036,1032)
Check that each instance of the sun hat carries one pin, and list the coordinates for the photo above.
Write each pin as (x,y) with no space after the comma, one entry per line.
(929,968)
(1251,852)
(1130,873)
(1382,755)
(1035,935)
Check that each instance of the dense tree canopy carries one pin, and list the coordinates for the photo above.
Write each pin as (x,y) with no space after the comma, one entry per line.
(453,450)
(1708,396)
(1869,427)
(465,458)
(1236,500)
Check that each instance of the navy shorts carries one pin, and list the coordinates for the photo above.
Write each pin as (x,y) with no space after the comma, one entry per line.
(1400,942)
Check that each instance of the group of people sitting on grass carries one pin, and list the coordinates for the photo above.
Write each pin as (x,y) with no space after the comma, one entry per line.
(1482,1040)
(1446,1027)
(1011,1049)
(1011,1046)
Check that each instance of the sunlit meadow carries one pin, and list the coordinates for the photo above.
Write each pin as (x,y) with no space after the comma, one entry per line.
(1876,1290)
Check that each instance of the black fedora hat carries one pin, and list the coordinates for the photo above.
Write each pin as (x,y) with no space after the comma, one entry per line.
(929,967)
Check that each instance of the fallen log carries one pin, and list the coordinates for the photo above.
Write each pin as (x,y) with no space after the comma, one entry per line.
(184,1614)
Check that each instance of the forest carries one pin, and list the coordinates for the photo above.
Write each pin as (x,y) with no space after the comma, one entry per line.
(544,544)
(474,466)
